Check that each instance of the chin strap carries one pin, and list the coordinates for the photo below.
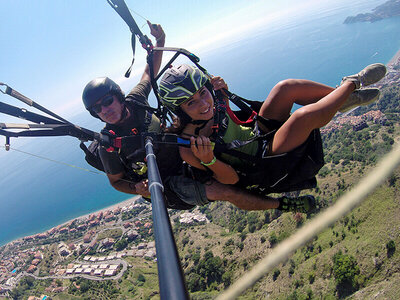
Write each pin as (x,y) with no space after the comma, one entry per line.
(202,124)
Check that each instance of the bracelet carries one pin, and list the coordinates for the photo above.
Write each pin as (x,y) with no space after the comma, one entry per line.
(210,163)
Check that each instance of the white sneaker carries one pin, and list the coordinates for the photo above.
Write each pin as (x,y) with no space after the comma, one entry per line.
(360,98)
(369,75)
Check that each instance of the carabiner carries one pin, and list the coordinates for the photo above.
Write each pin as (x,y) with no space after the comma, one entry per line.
(7,87)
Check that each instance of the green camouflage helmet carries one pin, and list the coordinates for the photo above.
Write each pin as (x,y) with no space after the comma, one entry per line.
(179,84)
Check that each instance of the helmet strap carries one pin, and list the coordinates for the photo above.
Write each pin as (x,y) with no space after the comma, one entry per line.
(124,112)
(203,123)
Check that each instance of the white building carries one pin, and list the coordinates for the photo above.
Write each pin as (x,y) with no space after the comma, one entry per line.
(98,272)
(110,272)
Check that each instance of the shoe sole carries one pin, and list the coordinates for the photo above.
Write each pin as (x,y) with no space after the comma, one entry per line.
(379,70)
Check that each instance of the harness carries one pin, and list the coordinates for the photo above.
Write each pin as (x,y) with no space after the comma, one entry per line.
(285,172)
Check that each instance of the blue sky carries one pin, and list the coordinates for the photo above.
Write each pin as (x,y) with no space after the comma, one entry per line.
(51,49)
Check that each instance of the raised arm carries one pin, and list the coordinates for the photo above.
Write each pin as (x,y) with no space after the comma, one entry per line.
(159,34)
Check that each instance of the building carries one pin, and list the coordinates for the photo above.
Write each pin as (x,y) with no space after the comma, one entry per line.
(98,272)
(108,242)
(110,272)
(36,261)
(31,269)
(87,271)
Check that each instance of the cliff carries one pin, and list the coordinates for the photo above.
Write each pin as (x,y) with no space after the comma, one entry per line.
(389,9)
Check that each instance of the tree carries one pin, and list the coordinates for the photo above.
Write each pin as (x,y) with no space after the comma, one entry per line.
(196,258)
(273,239)
(141,278)
(84,287)
(346,272)
(227,278)
(121,244)
(196,283)
(391,248)
(210,268)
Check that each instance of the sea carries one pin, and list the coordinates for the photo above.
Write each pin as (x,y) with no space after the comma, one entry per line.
(42,191)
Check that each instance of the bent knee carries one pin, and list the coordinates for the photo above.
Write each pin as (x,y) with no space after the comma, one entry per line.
(289,84)
(306,115)
(287,87)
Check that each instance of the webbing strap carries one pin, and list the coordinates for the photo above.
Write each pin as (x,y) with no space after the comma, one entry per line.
(25,114)
(120,7)
(13,93)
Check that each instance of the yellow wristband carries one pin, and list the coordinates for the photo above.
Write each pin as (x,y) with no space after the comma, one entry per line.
(210,163)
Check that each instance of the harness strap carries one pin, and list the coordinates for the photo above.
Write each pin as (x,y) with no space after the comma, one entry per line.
(120,7)
(13,93)
(230,148)
(26,115)
(221,124)
(250,107)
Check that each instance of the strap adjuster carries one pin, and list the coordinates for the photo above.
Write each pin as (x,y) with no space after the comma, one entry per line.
(134,131)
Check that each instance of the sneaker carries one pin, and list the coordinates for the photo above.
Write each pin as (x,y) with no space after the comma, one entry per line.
(302,204)
(369,75)
(360,98)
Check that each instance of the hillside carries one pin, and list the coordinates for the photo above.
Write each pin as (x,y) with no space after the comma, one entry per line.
(388,9)
(364,241)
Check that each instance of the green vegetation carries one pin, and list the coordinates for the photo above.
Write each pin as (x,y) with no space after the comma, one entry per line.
(346,272)
(110,233)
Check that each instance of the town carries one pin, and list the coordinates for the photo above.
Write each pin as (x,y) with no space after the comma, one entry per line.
(92,247)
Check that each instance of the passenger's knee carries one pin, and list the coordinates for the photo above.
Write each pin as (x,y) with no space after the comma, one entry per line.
(285,86)
(307,115)
(286,83)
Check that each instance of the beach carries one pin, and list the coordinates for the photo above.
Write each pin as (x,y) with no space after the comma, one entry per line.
(395,59)
(121,204)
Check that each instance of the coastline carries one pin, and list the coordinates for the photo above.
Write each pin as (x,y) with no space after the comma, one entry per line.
(121,204)
(395,59)
(112,207)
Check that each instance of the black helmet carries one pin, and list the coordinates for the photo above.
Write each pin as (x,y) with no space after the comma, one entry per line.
(98,88)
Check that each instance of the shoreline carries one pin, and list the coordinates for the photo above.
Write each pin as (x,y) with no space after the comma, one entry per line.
(121,204)
(395,59)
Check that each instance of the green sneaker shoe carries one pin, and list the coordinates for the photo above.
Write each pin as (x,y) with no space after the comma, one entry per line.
(302,204)
(360,98)
(369,75)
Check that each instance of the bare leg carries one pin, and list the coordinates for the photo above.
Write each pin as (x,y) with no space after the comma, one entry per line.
(238,197)
(298,127)
(280,100)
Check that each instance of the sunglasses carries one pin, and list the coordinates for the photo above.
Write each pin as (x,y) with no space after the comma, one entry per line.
(107,101)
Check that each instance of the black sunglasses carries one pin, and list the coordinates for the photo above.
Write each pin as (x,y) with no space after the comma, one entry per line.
(107,101)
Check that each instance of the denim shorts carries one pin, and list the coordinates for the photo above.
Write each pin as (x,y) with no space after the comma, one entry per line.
(188,190)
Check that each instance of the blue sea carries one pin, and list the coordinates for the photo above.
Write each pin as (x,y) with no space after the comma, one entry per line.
(37,194)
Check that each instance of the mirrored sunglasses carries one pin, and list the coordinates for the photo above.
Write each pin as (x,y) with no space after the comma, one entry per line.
(107,101)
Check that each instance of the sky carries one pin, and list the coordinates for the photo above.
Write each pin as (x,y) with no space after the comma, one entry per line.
(51,49)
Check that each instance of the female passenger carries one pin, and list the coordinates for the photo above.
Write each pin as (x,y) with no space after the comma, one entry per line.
(189,93)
